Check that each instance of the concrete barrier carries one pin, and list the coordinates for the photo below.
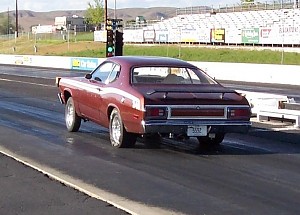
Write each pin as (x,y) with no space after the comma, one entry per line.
(261,73)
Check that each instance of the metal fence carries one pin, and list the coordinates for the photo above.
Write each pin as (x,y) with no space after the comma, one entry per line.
(272,5)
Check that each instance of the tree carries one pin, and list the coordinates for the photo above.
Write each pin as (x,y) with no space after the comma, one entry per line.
(6,24)
(95,13)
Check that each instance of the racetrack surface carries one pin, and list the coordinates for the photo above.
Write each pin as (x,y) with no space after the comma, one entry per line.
(257,173)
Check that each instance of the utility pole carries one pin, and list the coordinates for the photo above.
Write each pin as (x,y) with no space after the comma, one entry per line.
(105,14)
(8,22)
(17,20)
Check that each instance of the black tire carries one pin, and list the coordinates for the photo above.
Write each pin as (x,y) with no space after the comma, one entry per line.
(119,137)
(217,140)
(73,121)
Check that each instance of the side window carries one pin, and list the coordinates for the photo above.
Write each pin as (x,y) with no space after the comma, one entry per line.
(103,71)
(114,74)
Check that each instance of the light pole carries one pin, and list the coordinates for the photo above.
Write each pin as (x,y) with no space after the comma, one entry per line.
(8,22)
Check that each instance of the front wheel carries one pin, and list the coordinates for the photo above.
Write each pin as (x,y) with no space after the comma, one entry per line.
(211,141)
(119,137)
(73,121)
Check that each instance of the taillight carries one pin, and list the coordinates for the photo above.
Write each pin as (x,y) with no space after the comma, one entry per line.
(156,112)
(239,113)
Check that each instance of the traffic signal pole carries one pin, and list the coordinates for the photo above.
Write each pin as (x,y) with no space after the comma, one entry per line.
(114,42)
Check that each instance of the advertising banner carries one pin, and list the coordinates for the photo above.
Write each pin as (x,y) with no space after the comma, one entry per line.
(188,36)
(280,35)
(162,36)
(270,35)
(218,35)
(203,35)
(84,63)
(149,36)
(43,29)
(233,36)
(100,36)
(250,36)
(136,36)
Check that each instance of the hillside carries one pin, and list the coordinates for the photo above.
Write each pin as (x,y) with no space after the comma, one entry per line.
(29,18)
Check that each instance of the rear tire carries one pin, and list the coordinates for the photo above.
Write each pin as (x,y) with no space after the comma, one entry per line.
(119,137)
(217,140)
(73,121)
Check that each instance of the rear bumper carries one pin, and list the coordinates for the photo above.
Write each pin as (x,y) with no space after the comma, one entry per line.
(176,127)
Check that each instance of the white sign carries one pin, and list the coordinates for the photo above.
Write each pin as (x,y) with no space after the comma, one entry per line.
(43,29)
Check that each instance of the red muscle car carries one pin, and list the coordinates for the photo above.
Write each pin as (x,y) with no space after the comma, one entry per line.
(153,97)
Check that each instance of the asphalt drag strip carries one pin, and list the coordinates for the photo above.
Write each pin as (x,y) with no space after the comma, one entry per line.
(30,188)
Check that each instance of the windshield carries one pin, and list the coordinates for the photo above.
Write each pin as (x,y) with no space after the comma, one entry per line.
(169,75)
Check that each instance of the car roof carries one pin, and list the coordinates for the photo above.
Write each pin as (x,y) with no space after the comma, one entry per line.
(135,61)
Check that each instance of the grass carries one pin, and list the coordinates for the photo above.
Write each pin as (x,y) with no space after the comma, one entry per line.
(83,46)
(216,55)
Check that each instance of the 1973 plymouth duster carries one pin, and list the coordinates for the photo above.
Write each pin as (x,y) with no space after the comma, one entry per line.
(153,96)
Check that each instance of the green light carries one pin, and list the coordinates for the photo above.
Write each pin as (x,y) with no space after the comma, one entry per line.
(110,49)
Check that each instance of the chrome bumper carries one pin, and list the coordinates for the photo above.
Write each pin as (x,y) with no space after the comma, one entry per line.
(176,127)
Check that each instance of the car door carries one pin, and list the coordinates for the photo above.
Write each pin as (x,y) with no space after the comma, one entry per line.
(92,107)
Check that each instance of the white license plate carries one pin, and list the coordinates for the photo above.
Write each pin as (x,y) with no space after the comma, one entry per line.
(195,131)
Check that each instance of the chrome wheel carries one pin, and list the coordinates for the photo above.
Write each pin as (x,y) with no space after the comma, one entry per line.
(119,137)
(116,131)
(73,121)
(69,115)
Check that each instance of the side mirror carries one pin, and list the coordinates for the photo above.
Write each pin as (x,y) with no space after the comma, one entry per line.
(88,76)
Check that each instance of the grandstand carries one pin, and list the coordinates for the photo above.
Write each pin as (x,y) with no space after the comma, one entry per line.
(270,24)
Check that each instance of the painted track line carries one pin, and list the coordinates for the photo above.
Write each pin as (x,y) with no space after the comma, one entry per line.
(25,82)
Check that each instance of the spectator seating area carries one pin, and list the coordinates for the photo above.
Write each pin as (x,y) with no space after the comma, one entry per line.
(232,20)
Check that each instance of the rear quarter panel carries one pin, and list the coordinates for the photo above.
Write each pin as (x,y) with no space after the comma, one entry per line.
(129,103)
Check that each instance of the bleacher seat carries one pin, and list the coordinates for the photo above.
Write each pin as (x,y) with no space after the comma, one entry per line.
(232,20)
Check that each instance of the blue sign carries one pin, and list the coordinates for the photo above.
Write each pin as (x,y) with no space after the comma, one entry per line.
(84,63)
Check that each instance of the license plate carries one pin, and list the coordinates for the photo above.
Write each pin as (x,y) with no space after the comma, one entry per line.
(195,131)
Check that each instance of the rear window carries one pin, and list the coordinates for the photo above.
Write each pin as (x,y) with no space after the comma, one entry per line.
(169,75)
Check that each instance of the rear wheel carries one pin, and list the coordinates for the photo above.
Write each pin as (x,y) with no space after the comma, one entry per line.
(211,141)
(119,137)
(73,121)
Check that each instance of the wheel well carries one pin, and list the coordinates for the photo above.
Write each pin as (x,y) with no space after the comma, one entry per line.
(109,110)
(67,95)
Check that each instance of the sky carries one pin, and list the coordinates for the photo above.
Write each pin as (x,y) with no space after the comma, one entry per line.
(52,5)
